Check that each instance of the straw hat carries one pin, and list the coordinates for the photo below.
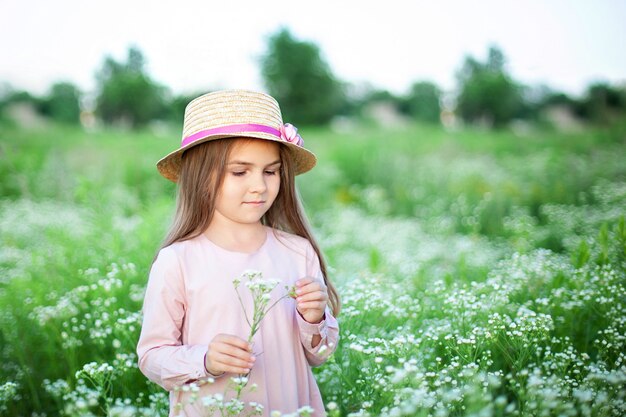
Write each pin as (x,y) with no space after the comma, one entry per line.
(236,113)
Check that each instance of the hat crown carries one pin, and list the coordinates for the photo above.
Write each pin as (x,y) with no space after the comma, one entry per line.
(236,114)
(231,107)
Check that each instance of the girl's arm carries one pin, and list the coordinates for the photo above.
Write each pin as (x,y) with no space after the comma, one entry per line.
(319,338)
(162,356)
(326,333)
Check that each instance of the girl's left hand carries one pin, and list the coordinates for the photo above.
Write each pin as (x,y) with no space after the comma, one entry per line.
(311,299)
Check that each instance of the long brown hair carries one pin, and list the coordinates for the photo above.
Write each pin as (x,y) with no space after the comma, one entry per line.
(201,176)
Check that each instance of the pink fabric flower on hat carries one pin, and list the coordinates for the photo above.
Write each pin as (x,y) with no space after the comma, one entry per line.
(289,133)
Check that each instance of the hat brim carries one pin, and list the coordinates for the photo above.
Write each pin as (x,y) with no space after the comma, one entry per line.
(304,160)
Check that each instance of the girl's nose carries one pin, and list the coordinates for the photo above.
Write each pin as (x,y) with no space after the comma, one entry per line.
(258,184)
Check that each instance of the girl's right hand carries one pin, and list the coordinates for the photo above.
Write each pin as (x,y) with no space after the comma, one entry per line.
(228,353)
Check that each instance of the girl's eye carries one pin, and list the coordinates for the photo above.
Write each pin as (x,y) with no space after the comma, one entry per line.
(239,173)
(270,172)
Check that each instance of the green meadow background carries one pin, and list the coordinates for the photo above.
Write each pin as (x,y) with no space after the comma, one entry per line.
(482,273)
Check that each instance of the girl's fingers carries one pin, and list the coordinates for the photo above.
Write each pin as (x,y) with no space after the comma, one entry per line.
(237,355)
(312,305)
(234,341)
(219,368)
(236,370)
(309,284)
(234,364)
(312,296)
(218,362)
(231,351)
(228,353)
(304,281)
(312,287)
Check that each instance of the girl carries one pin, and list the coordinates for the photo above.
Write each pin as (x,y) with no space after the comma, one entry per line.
(237,210)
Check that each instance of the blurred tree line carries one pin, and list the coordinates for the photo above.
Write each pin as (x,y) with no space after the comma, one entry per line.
(126,93)
(297,75)
(60,104)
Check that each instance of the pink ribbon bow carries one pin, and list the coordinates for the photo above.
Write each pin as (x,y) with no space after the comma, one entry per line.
(289,133)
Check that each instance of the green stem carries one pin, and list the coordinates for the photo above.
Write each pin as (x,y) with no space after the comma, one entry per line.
(245,314)
(257,316)
(276,302)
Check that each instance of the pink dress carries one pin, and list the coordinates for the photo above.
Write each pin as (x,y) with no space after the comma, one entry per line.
(190,298)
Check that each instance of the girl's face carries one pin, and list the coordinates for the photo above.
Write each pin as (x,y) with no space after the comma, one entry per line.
(251,182)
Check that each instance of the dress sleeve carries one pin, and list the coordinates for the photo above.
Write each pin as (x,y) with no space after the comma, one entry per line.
(162,356)
(328,328)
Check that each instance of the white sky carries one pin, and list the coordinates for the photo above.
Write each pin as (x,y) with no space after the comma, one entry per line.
(194,45)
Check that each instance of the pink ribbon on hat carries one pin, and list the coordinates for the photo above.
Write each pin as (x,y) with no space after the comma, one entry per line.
(287,132)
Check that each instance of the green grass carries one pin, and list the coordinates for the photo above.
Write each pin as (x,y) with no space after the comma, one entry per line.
(481,272)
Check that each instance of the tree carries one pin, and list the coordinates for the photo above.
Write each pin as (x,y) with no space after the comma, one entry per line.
(487,93)
(422,103)
(126,94)
(62,103)
(302,82)
(603,103)
(10,98)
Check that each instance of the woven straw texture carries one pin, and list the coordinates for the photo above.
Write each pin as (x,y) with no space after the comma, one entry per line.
(227,108)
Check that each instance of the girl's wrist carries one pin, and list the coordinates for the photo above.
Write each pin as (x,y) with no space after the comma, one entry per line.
(321,319)
(206,368)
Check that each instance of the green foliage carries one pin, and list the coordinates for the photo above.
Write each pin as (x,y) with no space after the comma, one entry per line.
(126,93)
(452,305)
(601,105)
(361,98)
(487,93)
(11,97)
(491,184)
(62,103)
(604,104)
(422,102)
(296,75)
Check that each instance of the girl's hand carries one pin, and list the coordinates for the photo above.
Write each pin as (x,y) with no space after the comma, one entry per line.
(228,353)
(311,299)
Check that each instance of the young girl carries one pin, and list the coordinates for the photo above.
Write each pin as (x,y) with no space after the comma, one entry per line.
(237,210)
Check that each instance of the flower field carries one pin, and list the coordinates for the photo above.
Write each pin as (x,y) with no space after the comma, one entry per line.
(481,273)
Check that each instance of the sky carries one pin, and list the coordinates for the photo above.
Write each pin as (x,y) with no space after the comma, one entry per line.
(195,46)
